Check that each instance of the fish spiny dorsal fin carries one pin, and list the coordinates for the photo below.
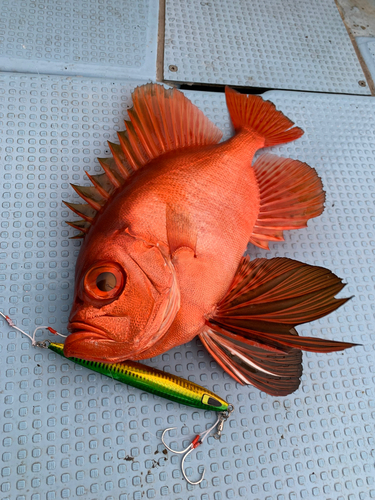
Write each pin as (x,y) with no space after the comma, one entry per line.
(83,210)
(77,236)
(120,160)
(103,185)
(110,168)
(131,147)
(91,195)
(163,120)
(95,196)
(81,225)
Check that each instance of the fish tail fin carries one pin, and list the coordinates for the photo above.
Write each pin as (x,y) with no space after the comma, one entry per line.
(252,334)
(291,193)
(252,112)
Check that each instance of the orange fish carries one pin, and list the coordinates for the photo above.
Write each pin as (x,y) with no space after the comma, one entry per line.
(165,229)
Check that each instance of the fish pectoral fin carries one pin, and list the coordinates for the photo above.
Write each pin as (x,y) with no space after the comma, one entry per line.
(291,193)
(181,230)
(252,334)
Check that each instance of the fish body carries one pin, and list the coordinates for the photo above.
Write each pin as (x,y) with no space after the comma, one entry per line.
(154,381)
(208,188)
(165,229)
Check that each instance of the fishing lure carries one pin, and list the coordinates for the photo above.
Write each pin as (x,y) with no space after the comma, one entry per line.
(141,376)
(165,385)
(154,381)
(151,380)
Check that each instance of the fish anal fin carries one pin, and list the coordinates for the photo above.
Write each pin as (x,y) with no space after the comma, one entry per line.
(251,333)
(277,374)
(291,193)
(181,230)
(253,113)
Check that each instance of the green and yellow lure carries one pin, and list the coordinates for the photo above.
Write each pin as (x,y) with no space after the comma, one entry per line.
(152,380)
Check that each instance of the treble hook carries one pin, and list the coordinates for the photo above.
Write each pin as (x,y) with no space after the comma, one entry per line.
(199,438)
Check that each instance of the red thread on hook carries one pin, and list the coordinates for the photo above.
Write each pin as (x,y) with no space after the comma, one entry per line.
(10,322)
(196,442)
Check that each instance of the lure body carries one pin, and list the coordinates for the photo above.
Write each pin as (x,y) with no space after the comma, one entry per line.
(154,381)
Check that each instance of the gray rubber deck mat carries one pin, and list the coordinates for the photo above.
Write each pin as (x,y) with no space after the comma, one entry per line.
(297,45)
(70,433)
(100,38)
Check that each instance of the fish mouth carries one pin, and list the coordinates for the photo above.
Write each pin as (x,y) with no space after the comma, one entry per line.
(83,340)
(82,328)
(92,344)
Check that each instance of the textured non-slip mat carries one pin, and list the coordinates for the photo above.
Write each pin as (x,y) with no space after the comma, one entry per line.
(100,38)
(70,433)
(297,45)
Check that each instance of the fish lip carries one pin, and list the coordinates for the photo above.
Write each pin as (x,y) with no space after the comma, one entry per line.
(83,335)
(77,328)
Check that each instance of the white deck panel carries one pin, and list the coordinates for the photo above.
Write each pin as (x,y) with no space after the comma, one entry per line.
(297,45)
(100,38)
(70,433)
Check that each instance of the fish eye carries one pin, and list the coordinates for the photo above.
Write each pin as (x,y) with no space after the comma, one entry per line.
(104,281)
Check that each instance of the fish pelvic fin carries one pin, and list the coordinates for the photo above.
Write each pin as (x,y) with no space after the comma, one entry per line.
(252,332)
(291,193)
(253,113)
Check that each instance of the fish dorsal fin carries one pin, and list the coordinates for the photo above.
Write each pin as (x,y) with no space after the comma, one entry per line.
(115,176)
(82,225)
(83,210)
(161,120)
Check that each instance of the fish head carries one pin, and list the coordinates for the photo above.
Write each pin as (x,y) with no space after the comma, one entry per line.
(126,297)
